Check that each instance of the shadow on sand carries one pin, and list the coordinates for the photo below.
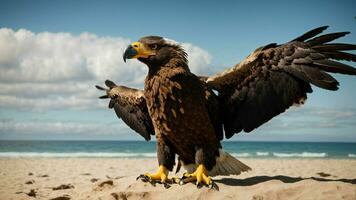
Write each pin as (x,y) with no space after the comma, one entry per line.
(285,179)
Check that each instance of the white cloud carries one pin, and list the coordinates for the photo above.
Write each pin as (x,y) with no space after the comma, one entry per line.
(199,59)
(41,71)
(311,118)
(50,96)
(59,127)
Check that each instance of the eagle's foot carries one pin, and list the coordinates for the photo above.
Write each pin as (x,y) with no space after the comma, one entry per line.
(200,177)
(160,177)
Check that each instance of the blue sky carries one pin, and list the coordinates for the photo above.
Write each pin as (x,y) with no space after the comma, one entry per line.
(53,52)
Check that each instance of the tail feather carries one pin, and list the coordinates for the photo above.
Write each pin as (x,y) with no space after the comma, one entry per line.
(226,164)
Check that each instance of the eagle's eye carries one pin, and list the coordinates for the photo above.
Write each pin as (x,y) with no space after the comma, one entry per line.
(153,46)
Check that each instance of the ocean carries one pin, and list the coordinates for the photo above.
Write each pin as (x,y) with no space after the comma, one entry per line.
(141,149)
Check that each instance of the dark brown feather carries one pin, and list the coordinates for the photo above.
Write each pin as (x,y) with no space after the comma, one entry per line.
(110,84)
(310,34)
(326,38)
(341,56)
(99,87)
(335,47)
(335,67)
(104,97)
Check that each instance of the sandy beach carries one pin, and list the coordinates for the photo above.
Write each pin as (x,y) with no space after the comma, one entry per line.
(96,178)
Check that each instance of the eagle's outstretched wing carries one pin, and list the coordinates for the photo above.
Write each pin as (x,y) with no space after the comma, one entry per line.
(129,105)
(275,77)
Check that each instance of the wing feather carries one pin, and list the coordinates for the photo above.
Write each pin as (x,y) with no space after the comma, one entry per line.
(310,34)
(275,77)
(130,105)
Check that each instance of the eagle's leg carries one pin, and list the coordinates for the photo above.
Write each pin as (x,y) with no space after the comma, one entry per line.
(205,159)
(166,161)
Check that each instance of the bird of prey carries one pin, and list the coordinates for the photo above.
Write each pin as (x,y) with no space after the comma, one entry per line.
(190,115)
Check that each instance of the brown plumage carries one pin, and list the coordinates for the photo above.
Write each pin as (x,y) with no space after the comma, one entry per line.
(190,120)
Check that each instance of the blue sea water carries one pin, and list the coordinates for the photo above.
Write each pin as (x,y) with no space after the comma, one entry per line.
(141,149)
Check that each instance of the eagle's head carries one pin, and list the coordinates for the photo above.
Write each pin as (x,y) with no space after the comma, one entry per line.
(156,51)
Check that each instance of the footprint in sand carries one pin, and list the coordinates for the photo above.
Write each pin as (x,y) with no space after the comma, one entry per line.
(30,182)
(64,197)
(63,187)
(93,180)
(130,195)
(322,174)
(117,177)
(104,184)
(32,193)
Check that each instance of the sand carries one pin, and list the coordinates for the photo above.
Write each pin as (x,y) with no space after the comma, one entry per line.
(96,178)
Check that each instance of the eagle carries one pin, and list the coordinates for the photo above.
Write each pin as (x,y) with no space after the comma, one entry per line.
(190,115)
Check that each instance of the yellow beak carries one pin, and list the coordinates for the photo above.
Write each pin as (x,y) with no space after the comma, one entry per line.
(137,50)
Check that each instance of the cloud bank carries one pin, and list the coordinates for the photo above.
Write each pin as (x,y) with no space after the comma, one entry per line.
(41,71)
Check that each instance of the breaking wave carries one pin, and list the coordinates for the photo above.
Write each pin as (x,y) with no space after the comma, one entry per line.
(262,153)
(351,155)
(303,154)
(241,154)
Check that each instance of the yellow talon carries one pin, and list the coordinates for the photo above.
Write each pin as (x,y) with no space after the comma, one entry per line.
(161,175)
(200,175)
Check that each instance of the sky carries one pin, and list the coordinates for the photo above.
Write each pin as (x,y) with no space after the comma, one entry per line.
(52,53)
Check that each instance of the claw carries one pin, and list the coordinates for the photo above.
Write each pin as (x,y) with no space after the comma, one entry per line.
(199,185)
(152,182)
(181,182)
(143,177)
(166,185)
(214,186)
